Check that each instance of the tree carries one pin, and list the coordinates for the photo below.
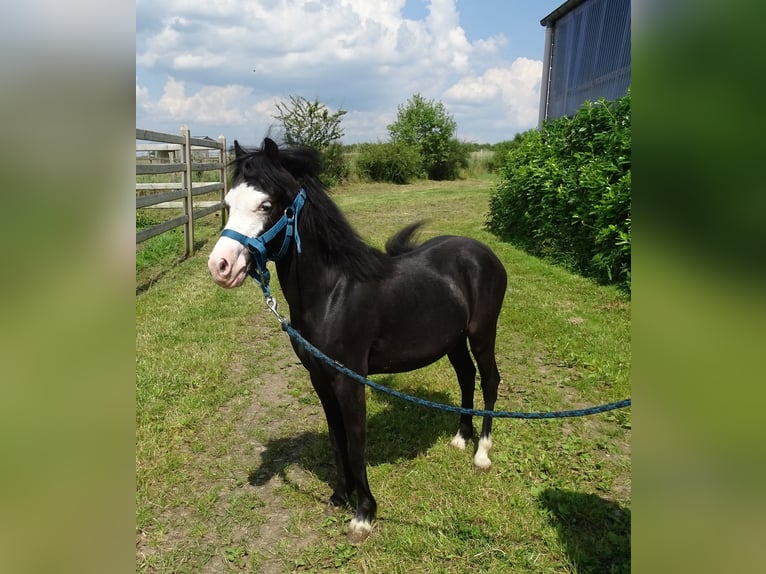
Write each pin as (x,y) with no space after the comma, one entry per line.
(426,125)
(309,123)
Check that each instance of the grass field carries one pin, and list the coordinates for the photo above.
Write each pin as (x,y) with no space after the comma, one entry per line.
(233,462)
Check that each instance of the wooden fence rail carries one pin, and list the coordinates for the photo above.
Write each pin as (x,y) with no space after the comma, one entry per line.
(182,149)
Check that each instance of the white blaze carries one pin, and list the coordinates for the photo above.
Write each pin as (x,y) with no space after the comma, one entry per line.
(228,260)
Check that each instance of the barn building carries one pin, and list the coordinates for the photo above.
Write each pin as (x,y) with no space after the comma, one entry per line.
(587,55)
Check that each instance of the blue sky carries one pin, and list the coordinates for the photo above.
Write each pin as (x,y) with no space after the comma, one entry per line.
(518,20)
(220,67)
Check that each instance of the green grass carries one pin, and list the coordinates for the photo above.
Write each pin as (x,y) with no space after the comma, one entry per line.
(233,460)
(161,252)
(156,255)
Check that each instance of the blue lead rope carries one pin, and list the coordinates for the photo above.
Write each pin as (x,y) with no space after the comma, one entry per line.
(298,338)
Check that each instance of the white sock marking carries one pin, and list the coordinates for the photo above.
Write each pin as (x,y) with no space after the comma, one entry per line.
(458,441)
(481,459)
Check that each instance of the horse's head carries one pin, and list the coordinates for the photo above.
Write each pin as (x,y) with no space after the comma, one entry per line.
(262,189)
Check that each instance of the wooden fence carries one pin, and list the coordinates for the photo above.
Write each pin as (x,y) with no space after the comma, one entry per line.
(186,149)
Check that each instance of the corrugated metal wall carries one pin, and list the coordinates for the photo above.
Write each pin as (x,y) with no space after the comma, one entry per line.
(590,56)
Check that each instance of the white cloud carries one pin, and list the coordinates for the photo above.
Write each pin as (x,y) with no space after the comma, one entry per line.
(142,96)
(218,62)
(210,105)
(510,95)
(368,126)
(204,61)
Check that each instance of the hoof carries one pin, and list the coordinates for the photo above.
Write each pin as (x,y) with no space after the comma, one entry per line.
(483,464)
(458,442)
(481,459)
(358,531)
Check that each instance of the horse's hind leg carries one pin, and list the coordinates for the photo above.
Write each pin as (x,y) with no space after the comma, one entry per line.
(466,375)
(483,349)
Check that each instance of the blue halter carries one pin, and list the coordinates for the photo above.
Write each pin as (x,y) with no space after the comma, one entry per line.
(258,246)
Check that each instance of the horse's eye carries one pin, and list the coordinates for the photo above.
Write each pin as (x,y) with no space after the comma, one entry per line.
(265,206)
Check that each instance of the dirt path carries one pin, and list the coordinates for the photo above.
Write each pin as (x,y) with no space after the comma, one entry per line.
(228,512)
(269,411)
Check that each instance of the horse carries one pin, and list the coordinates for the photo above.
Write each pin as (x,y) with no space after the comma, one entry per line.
(374,311)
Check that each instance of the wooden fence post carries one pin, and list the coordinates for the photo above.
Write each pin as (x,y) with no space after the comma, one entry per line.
(224,179)
(182,148)
(188,200)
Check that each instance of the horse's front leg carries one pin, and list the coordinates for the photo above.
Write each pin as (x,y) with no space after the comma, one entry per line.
(352,401)
(338,439)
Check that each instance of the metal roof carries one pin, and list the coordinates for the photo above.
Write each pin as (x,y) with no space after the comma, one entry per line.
(562,10)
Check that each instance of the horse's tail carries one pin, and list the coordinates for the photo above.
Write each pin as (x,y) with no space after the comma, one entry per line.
(403,241)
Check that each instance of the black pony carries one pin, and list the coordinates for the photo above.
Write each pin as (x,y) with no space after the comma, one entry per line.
(373,311)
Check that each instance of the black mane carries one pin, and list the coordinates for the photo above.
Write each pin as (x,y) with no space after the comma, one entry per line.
(321,221)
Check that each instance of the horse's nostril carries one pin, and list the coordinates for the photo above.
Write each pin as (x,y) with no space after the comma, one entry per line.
(223,265)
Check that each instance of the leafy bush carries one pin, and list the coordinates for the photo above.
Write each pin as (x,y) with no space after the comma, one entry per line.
(309,123)
(501,151)
(388,162)
(334,165)
(446,165)
(428,127)
(564,192)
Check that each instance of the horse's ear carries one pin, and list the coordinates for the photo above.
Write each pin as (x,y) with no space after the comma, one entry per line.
(238,151)
(272,150)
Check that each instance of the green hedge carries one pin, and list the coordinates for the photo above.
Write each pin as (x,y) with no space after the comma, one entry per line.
(564,192)
(389,162)
(335,167)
